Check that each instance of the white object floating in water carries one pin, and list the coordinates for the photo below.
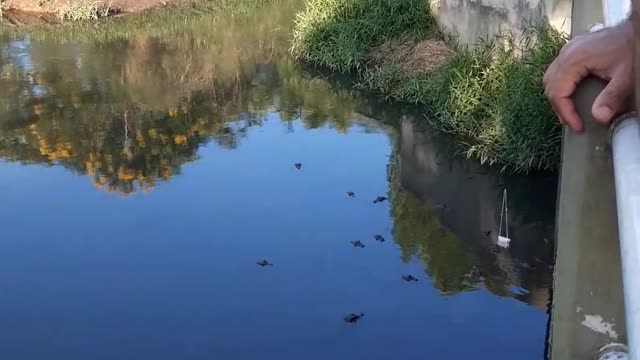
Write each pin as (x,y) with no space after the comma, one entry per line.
(504,240)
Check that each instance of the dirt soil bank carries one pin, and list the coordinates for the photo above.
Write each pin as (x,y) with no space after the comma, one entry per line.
(54,6)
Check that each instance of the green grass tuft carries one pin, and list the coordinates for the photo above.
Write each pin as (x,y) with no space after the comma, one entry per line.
(490,97)
(338,33)
(532,135)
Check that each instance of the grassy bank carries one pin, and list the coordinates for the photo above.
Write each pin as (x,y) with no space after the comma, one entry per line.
(490,96)
(338,33)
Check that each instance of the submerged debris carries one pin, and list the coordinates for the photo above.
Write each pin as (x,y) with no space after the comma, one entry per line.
(353,318)
(264,263)
(487,233)
(378,238)
(357,243)
(379,199)
(351,194)
(297,165)
(409,278)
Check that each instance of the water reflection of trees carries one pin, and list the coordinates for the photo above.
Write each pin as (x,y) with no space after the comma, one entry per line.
(130,112)
(419,233)
(442,209)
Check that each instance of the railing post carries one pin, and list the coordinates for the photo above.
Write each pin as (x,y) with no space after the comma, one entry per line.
(625,147)
(587,309)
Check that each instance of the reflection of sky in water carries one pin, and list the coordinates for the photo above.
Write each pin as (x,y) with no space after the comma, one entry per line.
(18,54)
(35,90)
(172,274)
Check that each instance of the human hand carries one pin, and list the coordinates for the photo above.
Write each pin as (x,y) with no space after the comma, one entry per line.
(606,54)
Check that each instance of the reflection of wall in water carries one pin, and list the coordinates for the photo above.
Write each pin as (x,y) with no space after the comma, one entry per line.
(471,19)
(468,199)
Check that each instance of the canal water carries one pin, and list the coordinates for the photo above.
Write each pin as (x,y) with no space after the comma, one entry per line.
(145,173)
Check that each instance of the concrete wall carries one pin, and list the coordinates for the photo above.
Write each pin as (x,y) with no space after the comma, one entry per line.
(473,19)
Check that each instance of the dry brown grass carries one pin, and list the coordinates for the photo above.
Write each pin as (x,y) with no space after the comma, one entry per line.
(411,56)
(79,11)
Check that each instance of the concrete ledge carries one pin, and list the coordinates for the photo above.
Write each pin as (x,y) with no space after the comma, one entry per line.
(588,309)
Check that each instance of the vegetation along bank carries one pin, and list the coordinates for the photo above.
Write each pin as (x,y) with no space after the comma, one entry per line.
(489,96)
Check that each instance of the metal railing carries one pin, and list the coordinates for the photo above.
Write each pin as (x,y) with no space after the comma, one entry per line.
(615,11)
(625,147)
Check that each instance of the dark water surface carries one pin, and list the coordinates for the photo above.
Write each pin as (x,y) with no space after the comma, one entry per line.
(143,176)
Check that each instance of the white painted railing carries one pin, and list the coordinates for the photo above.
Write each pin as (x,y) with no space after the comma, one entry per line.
(625,147)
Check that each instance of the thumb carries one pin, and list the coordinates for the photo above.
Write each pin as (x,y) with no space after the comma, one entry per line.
(612,99)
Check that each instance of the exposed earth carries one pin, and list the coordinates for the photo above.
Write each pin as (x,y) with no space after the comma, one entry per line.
(24,12)
(53,6)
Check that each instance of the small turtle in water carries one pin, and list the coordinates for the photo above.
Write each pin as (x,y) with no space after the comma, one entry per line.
(379,199)
(409,278)
(264,263)
(494,249)
(297,165)
(475,274)
(378,238)
(527,266)
(357,243)
(351,194)
(441,207)
(353,318)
